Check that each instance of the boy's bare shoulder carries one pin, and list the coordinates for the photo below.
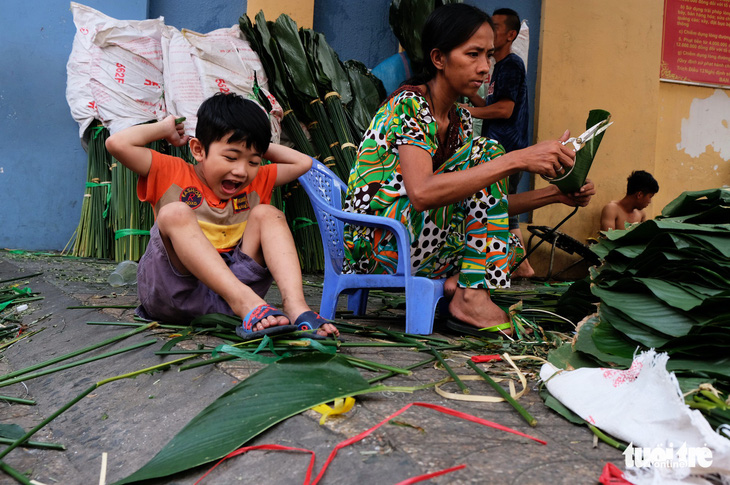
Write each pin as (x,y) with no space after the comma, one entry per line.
(611,206)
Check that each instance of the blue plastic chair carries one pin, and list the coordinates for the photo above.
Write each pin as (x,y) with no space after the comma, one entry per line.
(325,191)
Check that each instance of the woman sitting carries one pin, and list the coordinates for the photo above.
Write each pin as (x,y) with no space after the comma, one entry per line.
(420,163)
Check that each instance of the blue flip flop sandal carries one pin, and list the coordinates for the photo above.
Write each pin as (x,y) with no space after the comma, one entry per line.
(246,331)
(311,321)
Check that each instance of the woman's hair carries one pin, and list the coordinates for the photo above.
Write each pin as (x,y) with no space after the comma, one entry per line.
(245,120)
(446,28)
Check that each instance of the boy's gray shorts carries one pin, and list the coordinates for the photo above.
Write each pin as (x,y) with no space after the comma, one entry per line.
(169,296)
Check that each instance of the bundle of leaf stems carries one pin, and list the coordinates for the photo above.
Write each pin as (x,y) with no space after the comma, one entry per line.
(93,234)
(114,224)
(131,219)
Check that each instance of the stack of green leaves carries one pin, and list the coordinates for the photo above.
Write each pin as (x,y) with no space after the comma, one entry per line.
(407,18)
(664,284)
(312,85)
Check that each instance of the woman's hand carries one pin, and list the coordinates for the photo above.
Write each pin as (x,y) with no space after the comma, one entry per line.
(580,198)
(549,158)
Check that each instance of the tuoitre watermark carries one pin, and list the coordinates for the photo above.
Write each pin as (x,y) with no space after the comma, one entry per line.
(668,457)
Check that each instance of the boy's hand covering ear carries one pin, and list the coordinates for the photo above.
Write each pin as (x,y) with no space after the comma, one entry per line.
(176,134)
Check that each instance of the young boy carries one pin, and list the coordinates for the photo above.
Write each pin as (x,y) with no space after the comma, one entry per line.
(640,189)
(217,244)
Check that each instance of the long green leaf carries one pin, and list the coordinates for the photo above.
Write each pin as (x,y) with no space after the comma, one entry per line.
(295,58)
(576,177)
(647,310)
(585,345)
(278,391)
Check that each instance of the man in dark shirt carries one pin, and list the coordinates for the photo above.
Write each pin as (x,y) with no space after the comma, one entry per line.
(505,110)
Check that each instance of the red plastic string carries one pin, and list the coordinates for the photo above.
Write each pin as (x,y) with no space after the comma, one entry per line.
(442,409)
(427,476)
(355,439)
(612,475)
(478,359)
(245,449)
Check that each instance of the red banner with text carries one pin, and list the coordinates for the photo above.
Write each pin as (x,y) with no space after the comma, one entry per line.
(696,42)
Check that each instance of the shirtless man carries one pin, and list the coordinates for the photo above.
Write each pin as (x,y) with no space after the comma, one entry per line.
(640,189)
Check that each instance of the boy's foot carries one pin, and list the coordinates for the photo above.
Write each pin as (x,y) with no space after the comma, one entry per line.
(262,321)
(310,320)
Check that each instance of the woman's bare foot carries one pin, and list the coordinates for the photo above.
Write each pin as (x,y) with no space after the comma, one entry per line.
(474,307)
(524,270)
(450,285)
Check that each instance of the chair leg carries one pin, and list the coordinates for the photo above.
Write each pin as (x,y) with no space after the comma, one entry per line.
(329,301)
(357,301)
(424,295)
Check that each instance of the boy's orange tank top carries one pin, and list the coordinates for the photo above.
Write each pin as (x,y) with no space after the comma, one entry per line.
(172,179)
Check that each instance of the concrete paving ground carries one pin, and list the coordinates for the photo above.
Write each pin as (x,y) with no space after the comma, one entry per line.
(132,419)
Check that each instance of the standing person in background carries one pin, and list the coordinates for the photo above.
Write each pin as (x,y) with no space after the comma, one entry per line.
(505,110)
(640,189)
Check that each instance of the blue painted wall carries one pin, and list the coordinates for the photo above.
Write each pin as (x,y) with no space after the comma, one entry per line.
(197,15)
(43,167)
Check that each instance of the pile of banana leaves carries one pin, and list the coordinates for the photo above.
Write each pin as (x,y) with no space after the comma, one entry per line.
(407,18)
(664,284)
(334,100)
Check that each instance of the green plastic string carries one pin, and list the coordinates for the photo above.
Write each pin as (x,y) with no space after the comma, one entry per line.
(108,193)
(301,223)
(130,232)
(243,354)
(4,305)
(97,130)
(18,291)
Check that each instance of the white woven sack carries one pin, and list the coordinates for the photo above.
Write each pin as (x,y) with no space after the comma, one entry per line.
(126,73)
(78,67)
(225,62)
(183,91)
(521,45)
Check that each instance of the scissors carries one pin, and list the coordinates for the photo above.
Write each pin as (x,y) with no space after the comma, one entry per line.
(578,143)
(589,134)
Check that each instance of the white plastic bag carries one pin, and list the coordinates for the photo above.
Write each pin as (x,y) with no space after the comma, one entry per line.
(642,405)
(521,45)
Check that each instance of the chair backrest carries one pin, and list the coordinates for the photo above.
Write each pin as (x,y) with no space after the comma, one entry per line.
(325,190)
